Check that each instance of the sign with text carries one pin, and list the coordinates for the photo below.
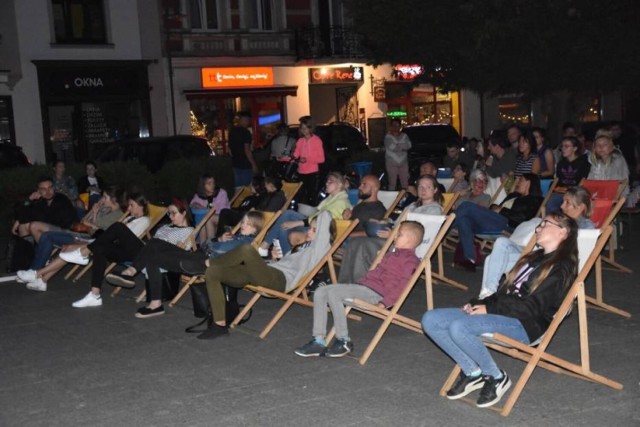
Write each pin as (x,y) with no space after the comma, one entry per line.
(335,75)
(213,78)
(408,71)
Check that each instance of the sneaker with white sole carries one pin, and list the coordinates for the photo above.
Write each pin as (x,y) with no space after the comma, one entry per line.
(493,390)
(26,276)
(75,257)
(464,385)
(340,347)
(37,285)
(89,300)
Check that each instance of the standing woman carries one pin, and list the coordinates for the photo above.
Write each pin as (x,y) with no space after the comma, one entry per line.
(545,154)
(527,160)
(209,195)
(396,145)
(310,155)
(521,309)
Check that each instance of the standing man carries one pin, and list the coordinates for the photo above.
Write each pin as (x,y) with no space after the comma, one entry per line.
(396,146)
(240,139)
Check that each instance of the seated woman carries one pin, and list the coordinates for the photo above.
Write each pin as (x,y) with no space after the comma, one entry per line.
(572,168)
(158,256)
(527,161)
(472,219)
(336,203)
(362,251)
(91,183)
(267,196)
(460,178)
(244,265)
(120,243)
(209,196)
(476,193)
(505,252)
(522,309)
(104,213)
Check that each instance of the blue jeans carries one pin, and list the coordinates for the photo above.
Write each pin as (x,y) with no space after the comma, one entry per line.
(458,334)
(47,242)
(472,219)
(503,257)
(276,231)
(242,176)
(554,203)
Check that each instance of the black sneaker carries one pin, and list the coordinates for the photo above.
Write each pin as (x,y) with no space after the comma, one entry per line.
(213,332)
(311,349)
(339,348)
(465,385)
(493,390)
(119,279)
(144,312)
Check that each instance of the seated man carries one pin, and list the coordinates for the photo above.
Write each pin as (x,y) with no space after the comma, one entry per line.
(45,210)
(382,285)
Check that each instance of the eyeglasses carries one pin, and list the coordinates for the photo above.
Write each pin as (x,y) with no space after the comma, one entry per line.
(544,223)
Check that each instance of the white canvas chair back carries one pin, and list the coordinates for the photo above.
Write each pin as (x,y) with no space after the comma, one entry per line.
(493,186)
(586,242)
(525,231)
(431,224)
(446,182)
(387,197)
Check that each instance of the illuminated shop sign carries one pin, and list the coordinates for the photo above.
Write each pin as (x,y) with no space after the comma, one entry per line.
(335,75)
(213,78)
(396,114)
(408,71)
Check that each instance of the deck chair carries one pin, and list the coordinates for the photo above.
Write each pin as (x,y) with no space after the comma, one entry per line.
(449,202)
(436,227)
(495,188)
(390,200)
(240,194)
(608,190)
(290,189)
(269,219)
(547,186)
(188,242)
(156,213)
(590,245)
(298,294)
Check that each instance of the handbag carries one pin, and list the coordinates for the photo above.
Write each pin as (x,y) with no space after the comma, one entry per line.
(202,308)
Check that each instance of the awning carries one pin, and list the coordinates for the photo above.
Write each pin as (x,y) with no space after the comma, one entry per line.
(242,91)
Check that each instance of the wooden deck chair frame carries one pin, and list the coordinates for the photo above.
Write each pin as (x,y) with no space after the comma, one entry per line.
(391,315)
(439,275)
(536,356)
(191,238)
(496,193)
(290,189)
(154,218)
(298,294)
(543,206)
(240,194)
(392,206)
(271,218)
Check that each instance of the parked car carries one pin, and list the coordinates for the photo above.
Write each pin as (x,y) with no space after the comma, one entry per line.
(11,155)
(153,152)
(429,142)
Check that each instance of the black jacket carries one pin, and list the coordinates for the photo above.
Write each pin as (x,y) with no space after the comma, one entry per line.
(60,212)
(523,208)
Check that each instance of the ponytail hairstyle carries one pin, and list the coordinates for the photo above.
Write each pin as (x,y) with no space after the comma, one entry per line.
(437,195)
(565,257)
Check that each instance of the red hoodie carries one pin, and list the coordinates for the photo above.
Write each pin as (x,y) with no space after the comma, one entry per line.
(391,275)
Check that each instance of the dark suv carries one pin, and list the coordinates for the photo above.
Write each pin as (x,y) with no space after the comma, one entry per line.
(153,152)
(429,142)
(12,155)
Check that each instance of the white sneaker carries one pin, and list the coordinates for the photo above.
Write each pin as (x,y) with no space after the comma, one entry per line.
(75,257)
(26,276)
(90,300)
(37,285)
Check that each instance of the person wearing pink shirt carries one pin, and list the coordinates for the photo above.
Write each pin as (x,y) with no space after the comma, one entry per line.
(310,155)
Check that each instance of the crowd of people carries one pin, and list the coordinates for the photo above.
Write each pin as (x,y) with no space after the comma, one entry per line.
(518,297)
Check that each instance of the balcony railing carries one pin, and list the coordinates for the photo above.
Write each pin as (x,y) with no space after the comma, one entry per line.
(340,42)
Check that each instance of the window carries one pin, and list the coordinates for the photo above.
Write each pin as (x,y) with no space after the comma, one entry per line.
(204,14)
(78,21)
(259,14)
(7,132)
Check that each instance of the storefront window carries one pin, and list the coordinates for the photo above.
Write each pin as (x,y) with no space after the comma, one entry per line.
(7,129)
(78,21)
(514,108)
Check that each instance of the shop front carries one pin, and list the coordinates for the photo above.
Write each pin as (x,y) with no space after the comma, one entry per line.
(225,91)
(88,104)
(333,94)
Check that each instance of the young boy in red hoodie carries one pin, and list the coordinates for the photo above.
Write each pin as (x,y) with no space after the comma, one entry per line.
(382,285)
